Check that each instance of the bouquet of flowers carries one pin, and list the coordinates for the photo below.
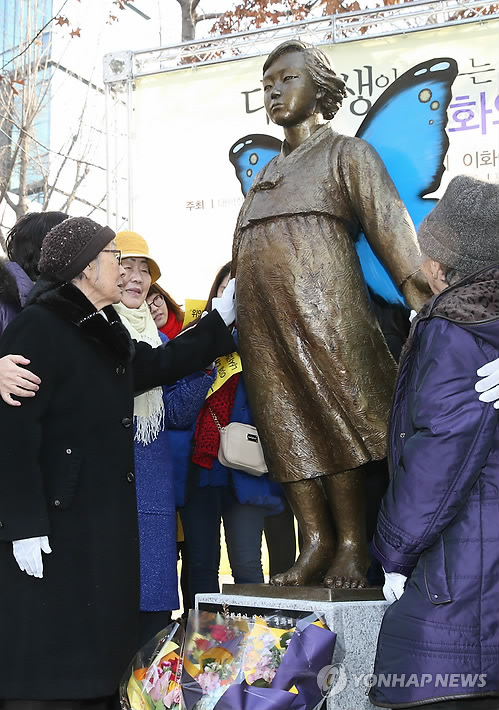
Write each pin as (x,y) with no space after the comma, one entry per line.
(270,664)
(152,681)
(212,657)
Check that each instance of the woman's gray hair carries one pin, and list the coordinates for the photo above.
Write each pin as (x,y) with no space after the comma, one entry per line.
(452,276)
(331,86)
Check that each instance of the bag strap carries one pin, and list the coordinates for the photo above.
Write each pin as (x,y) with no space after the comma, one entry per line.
(215,419)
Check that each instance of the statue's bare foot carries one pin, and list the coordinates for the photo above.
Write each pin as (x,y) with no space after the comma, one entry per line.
(309,568)
(348,570)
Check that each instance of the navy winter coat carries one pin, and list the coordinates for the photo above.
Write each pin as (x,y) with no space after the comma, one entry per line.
(439,520)
(156,498)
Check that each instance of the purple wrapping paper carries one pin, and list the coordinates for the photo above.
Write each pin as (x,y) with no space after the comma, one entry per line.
(246,697)
(308,651)
(191,690)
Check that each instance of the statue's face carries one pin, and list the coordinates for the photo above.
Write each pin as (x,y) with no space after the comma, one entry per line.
(290,94)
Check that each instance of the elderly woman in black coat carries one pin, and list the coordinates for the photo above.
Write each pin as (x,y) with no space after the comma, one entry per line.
(69,564)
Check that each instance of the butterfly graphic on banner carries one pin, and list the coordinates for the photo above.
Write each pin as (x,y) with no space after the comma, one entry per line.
(406,125)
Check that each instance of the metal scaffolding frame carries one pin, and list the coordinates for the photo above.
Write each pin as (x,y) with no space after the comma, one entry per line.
(333,29)
(121,69)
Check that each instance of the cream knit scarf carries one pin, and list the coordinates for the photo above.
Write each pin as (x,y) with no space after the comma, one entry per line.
(148,408)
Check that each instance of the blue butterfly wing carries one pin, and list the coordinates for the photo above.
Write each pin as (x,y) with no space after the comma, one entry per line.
(250,154)
(406,125)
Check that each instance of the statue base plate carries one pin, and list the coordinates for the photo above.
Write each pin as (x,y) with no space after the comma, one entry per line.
(312,594)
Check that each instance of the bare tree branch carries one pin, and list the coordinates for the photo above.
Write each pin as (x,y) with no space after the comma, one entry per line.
(97,206)
(82,199)
(80,177)
(25,165)
(208,16)
(35,37)
(11,204)
(50,150)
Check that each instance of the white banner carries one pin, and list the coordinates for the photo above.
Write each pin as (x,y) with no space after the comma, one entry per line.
(186,191)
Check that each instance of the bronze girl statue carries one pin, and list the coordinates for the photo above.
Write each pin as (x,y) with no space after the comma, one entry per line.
(318,370)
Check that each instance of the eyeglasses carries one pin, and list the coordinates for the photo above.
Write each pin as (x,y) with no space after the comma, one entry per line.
(157,301)
(116,252)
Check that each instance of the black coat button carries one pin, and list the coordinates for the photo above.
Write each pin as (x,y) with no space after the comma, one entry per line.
(57,502)
(130,477)
(120,370)
(1,524)
(127,422)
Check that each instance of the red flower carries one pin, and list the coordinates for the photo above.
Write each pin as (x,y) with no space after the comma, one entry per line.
(174,665)
(202,644)
(220,632)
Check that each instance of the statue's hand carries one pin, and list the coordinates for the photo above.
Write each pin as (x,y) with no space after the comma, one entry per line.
(416,290)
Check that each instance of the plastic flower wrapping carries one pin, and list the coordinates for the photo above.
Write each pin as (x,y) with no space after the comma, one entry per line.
(213,653)
(152,681)
(257,664)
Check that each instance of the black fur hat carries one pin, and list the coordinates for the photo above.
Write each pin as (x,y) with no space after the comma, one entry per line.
(71,245)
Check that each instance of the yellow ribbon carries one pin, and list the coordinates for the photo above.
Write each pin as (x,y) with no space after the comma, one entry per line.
(227,366)
(193,309)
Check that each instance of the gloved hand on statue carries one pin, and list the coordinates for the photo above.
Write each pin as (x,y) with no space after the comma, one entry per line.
(226,304)
(28,554)
(489,386)
(394,586)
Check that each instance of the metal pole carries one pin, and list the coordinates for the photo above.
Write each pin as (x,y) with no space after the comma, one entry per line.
(109,170)
(130,148)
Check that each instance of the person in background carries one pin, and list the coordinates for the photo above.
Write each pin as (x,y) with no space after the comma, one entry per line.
(208,492)
(17,276)
(167,314)
(169,318)
(437,535)
(69,555)
(154,411)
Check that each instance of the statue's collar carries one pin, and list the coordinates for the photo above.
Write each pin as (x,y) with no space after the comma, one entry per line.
(317,135)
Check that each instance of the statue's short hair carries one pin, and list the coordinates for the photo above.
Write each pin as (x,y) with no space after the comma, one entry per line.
(319,68)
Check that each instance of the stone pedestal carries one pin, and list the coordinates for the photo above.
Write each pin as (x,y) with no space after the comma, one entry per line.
(356,624)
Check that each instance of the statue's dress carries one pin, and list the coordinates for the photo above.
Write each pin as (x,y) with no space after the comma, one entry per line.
(318,371)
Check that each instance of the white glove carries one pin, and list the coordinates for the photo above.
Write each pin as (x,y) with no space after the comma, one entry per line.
(490,385)
(394,586)
(226,304)
(28,554)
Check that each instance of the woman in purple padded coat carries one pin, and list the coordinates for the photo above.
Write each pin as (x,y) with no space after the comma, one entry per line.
(438,524)
(17,275)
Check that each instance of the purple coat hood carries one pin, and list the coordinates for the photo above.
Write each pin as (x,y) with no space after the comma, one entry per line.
(439,520)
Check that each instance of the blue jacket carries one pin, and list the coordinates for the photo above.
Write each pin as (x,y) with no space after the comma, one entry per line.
(156,498)
(252,490)
(439,520)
